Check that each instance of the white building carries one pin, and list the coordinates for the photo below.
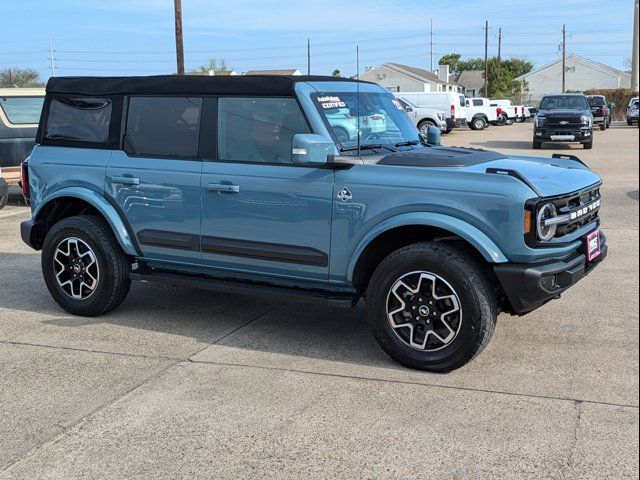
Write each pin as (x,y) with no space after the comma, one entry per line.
(403,78)
(581,74)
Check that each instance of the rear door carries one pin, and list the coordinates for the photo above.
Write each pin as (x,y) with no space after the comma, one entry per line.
(155,179)
(261,214)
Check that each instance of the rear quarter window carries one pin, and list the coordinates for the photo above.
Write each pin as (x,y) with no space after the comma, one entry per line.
(163,126)
(22,110)
(79,119)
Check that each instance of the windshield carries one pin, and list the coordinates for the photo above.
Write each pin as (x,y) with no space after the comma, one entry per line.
(596,102)
(382,119)
(22,110)
(564,102)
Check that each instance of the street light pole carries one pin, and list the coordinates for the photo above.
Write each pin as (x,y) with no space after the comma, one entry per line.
(179,45)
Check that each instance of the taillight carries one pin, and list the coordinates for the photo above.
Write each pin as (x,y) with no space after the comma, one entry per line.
(498,111)
(24,180)
(602,111)
(376,117)
(516,110)
(453,112)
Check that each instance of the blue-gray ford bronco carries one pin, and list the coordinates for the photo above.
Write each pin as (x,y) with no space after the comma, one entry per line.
(312,188)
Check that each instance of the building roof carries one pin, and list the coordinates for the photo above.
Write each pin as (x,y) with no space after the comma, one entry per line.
(579,59)
(290,71)
(184,84)
(471,79)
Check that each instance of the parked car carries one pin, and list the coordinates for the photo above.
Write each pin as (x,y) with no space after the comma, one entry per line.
(4,191)
(452,104)
(266,199)
(632,111)
(19,116)
(601,110)
(480,114)
(565,118)
(423,117)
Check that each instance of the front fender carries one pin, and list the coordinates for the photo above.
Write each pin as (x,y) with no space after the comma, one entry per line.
(487,247)
(107,210)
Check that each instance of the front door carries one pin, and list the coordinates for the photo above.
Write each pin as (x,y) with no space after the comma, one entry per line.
(261,214)
(156,181)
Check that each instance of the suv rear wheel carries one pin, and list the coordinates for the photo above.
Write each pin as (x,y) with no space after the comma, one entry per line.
(85,270)
(431,307)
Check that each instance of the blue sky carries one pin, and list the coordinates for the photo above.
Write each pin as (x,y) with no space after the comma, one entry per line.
(136,37)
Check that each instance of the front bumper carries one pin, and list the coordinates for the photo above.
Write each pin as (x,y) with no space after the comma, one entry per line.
(529,286)
(557,134)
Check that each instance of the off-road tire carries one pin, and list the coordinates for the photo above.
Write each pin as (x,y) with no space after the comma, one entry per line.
(588,145)
(537,145)
(476,293)
(113,282)
(4,199)
(603,126)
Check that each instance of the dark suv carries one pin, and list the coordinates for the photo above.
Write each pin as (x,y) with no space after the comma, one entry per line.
(564,118)
(601,110)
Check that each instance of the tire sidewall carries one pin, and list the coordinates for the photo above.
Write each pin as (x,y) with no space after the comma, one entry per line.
(67,229)
(435,262)
(478,124)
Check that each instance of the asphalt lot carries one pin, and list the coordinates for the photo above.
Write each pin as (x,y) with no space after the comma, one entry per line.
(181,383)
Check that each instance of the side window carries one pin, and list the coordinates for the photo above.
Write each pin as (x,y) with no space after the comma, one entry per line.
(163,126)
(258,129)
(81,119)
(477,103)
(22,110)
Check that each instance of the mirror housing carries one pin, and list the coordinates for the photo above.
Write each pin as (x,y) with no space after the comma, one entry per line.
(533,110)
(612,105)
(311,149)
(434,136)
(408,109)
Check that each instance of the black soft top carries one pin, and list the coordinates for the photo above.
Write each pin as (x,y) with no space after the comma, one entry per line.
(184,84)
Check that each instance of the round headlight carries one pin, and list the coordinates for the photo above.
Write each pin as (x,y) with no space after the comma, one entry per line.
(546,232)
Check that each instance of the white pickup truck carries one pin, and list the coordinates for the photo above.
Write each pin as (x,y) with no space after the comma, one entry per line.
(480,113)
(510,113)
(424,116)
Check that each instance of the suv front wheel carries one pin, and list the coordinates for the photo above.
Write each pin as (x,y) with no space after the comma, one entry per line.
(85,270)
(431,307)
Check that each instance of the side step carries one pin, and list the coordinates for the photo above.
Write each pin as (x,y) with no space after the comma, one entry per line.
(333,299)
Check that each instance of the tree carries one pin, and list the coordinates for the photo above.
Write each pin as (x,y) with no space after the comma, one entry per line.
(336,73)
(20,77)
(502,74)
(215,66)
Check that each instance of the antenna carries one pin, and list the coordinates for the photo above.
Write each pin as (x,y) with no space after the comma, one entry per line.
(358,94)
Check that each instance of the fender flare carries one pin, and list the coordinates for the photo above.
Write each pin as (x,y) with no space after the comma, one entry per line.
(107,210)
(479,240)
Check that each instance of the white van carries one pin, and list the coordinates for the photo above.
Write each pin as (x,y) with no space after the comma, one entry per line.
(452,104)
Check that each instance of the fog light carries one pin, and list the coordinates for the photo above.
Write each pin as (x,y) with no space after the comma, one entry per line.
(550,283)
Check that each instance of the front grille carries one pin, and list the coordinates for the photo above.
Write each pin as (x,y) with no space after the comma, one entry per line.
(557,122)
(580,209)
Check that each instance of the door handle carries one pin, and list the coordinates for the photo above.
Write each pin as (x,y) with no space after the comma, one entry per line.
(126,180)
(223,187)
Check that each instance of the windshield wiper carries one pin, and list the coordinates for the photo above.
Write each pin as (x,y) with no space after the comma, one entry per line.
(369,146)
(409,143)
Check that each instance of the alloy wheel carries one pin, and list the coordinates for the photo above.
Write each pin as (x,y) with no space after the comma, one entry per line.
(424,311)
(76,268)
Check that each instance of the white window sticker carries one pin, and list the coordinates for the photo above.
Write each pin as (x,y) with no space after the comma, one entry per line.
(327,102)
(397,104)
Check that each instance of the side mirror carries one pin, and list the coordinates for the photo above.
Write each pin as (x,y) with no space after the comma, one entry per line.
(612,105)
(408,109)
(533,111)
(434,136)
(309,148)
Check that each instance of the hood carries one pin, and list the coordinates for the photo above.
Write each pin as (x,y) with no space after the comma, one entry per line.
(545,176)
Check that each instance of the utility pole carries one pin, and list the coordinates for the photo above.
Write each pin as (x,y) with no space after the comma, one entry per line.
(564,57)
(179,46)
(431,45)
(51,59)
(499,45)
(486,58)
(308,56)
(635,80)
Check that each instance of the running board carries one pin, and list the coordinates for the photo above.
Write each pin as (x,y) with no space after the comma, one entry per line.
(332,299)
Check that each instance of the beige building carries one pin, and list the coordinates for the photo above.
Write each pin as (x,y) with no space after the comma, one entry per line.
(403,78)
(581,74)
